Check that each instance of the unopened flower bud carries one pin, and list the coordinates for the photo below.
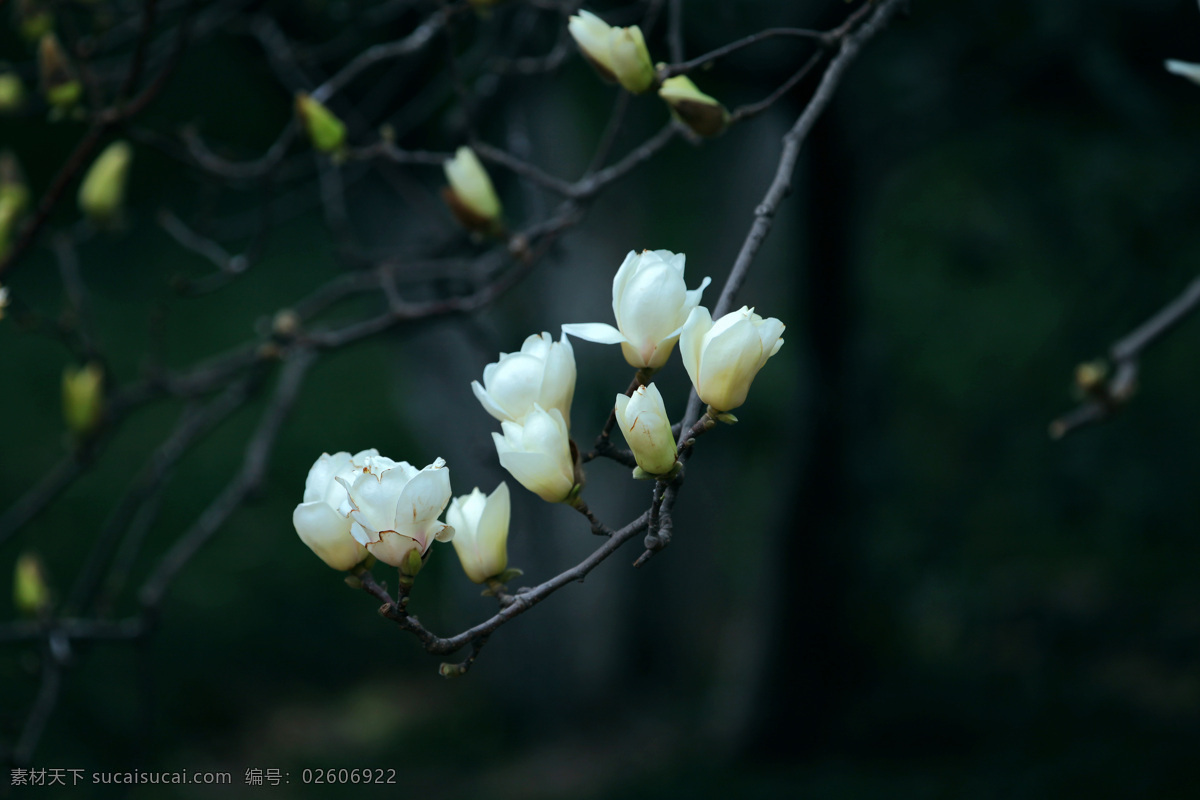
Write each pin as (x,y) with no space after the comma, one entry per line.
(412,563)
(14,197)
(470,195)
(3,300)
(538,453)
(481,532)
(703,114)
(618,54)
(722,358)
(33,18)
(643,421)
(60,84)
(31,593)
(83,397)
(326,132)
(12,93)
(103,189)
(1090,376)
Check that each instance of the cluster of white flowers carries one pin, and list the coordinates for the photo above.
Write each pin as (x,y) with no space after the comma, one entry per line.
(367,504)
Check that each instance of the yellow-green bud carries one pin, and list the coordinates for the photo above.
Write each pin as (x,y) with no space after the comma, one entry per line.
(12,93)
(703,114)
(1090,375)
(103,189)
(60,85)
(83,397)
(14,197)
(412,563)
(31,595)
(618,54)
(325,131)
(470,195)
(34,19)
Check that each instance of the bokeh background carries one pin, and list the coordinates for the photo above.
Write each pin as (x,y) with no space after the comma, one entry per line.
(886,580)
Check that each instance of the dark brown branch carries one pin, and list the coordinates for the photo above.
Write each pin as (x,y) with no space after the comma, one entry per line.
(1105,398)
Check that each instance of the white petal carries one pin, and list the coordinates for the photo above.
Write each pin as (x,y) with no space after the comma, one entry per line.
(598,332)
(486,401)
(691,341)
(629,266)
(393,548)
(423,498)
(1184,69)
(539,473)
(327,533)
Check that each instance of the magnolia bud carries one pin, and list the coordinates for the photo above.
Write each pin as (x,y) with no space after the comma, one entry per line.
(83,397)
(692,107)
(326,132)
(3,300)
(470,195)
(60,85)
(722,358)
(12,93)
(14,197)
(103,189)
(538,453)
(618,54)
(481,532)
(411,563)
(34,19)
(31,594)
(643,421)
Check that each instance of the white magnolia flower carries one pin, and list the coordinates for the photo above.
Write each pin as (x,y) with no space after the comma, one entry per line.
(471,195)
(369,503)
(1184,69)
(538,453)
(394,508)
(618,54)
(650,302)
(543,373)
(647,428)
(481,532)
(723,358)
(318,521)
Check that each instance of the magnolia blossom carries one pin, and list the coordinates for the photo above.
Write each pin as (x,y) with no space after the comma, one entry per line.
(723,358)
(650,302)
(319,521)
(369,503)
(647,428)
(481,532)
(471,195)
(538,453)
(618,54)
(543,373)
(394,509)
